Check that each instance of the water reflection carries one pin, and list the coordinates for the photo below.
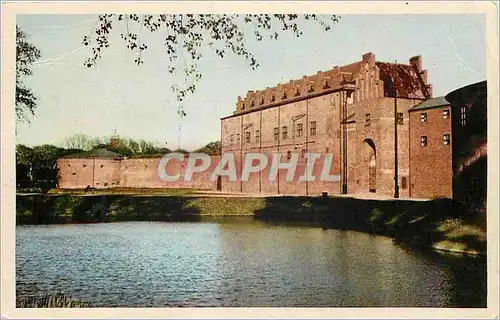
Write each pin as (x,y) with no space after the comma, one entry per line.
(239,263)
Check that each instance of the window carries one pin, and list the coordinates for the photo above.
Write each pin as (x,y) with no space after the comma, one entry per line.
(446,114)
(262,100)
(367,119)
(84,165)
(311,89)
(251,104)
(276,133)
(284,132)
(69,165)
(232,139)
(423,141)
(273,98)
(242,106)
(237,138)
(297,93)
(399,118)
(299,130)
(326,85)
(289,154)
(350,98)
(423,117)
(257,135)
(463,116)
(404,183)
(446,139)
(102,165)
(313,128)
(284,96)
(303,153)
(247,137)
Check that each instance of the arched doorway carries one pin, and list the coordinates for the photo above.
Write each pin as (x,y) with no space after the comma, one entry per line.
(370,164)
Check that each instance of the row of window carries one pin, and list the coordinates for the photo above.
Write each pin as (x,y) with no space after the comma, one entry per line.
(446,140)
(284,133)
(302,153)
(423,115)
(399,119)
(299,131)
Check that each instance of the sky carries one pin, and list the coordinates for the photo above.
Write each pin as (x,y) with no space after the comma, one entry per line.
(137,102)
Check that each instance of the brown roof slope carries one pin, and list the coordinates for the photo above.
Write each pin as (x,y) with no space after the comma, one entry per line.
(409,83)
(352,68)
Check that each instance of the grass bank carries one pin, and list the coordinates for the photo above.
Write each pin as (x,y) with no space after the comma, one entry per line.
(439,224)
(65,208)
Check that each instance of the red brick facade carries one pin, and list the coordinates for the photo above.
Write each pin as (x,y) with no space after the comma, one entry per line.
(94,172)
(431,171)
(313,114)
(128,173)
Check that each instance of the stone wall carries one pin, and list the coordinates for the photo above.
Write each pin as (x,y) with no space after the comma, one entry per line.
(129,173)
(80,173)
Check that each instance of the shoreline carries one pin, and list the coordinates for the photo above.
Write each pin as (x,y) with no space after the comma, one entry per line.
(436,224)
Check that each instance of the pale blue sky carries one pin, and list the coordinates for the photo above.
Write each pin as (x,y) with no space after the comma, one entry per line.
(136,100)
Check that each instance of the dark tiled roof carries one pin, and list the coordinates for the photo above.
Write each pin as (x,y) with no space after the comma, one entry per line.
(96,153)
(430,103)
(459,96)
(408,82)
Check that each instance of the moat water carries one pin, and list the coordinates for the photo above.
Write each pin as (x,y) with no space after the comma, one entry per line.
(236,263)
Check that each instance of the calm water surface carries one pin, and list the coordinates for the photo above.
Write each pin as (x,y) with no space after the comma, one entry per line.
(238,263)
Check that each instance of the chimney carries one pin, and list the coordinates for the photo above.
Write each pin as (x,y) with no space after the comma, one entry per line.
(429,89)
(239,104)
(416,62)
(369,58)
(423,74)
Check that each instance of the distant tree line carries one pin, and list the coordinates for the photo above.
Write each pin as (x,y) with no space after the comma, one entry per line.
(36,167)
(124,146)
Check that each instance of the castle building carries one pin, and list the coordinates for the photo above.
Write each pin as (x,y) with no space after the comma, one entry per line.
(359,112)
(385,132)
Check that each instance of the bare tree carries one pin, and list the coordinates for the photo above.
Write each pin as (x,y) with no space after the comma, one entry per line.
(80,141)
